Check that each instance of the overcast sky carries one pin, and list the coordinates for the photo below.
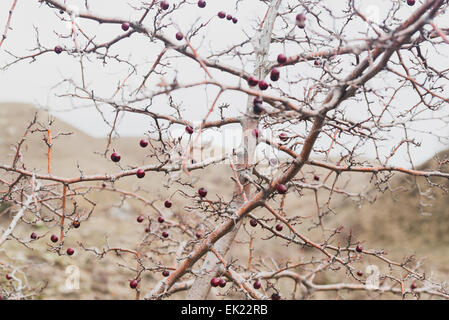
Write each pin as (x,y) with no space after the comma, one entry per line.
(35,83)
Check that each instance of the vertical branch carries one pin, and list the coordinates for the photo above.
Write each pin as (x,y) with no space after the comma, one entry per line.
(8,22)
(64,193)
(49,152)
(201,286)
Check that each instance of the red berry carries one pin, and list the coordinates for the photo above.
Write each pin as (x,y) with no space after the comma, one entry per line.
(281,188)
(359,248)
(140,173)
(198,235)
(164,5)
(316,63)
(222,283)
(165,273)
(8,277)
(115,157)
(165,234)
(413,286)
(143,143)
(140,219)
(274,75)
(167,204)
(147,229)
(359,273)
(54,238)
(215,282)
(316,178)
(234,20)
(222,14)
(275,296)
(411,2)
(202,192)
(58,49)
(257,285)
(253,222)
(160,219)
(33,236)
(189,129)
(283,136)
(301,20)
(70,251)
(133,284)
(279,227)
(179,36)
(282,58)
(252,82)
(76,224)
(257,108)
(263,85)
(229,17)
(125,26)
(201,3)
(256,133)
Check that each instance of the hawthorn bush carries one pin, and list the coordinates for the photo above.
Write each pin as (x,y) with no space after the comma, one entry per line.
(312,91)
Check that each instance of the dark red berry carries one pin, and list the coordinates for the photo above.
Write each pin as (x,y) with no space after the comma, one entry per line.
(140,219)
(257,100)
(281,188)
(411,2)
(115,157)
(147,229)
(179,36)
(160,219)
(189,129)
(282,58)
(143,143)
(263,85)
(279,227)
(8,277)
(359,248)
(198,235)
(283,136)
(54,238)
(140,173)
(359,273)
(164,5)
(165,234)
(58,49)
(222,14)
(253,222)
(234,20)
(165,273)
(252,82)
(229,17)
(33,236)
(222,283)
(133,284)
(201,3)
(202,192)
(125,26)
(167,204)
(256,133)
(316,178)
(257,108)
(257,285)
(316,63)
(274,75)
(301,20)
(275,296)
(70,251)
(413,286)
(76,224)
(215,282)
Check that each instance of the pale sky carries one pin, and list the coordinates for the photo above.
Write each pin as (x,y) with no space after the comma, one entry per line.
(35,83)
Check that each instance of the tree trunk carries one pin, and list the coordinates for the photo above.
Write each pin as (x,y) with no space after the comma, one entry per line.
(201,286)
